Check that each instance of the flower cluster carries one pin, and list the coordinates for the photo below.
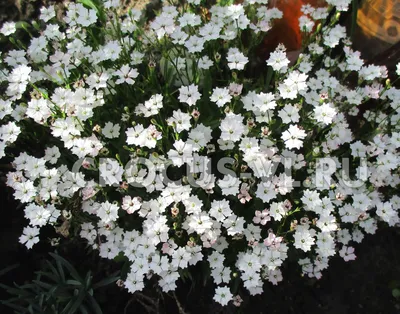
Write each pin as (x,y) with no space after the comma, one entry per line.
(159,143)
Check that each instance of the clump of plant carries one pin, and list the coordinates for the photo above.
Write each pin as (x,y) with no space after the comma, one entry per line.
(165,143)
(58,288)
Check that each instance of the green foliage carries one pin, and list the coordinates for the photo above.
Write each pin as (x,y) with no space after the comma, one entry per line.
(59,289)
(354,10)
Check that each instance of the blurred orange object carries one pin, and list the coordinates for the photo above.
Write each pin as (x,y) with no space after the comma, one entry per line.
(378,31)
(287,29)
(380,19)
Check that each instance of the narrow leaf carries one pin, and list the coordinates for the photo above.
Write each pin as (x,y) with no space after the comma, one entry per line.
(67,265)
(113,277)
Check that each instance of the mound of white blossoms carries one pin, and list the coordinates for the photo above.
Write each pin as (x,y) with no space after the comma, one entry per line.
(158,143)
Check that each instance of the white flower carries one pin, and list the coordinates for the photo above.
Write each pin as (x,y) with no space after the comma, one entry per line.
(5,108)
(229,185)
(232,127)
(126,75)
(30,236)
(387,213)
(304,238)
(199,137)
(265,191)
(264,102)
(277,211)
(289,114)
(38,110)
(9,132)
(347,253)
(180,258)
(136,136)
(8,28)
(278,61)
(134,282)
(220,210)
(199,222)
(108,212)
(131,205)
(306,24)
(46,14)
(195,44)
(52,154)
(180,121)
(111,130)
(205,63)
(325,113)
(341,5)
(182,154)
(110,171)
(38,215)
(236,59)
(220,96)
(293,137)
(24,191)
(234,225)
(163,25)
(189,94)
(223,295)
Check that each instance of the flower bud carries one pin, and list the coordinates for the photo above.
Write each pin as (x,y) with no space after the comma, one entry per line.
(97,128)
(195,114)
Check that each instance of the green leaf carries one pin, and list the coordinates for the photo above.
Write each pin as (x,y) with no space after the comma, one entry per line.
(235,286)
(15,291)
(49,275)
(95,305)
(7,269)
(54,270)
(16,307)
(112,278)
(83,309)
(88,279)
(270,73)
(60,271)
(353,17)
(78,301)
(43,284)
(41,299)
(67,265)
(23,25)
(73,282)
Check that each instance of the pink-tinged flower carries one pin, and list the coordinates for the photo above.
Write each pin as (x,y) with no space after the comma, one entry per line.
(235,89)
(261,217)
(131,205)
(88,192)
(253,243)
(273,241)
(237,300)
(86,164)
(244,195)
